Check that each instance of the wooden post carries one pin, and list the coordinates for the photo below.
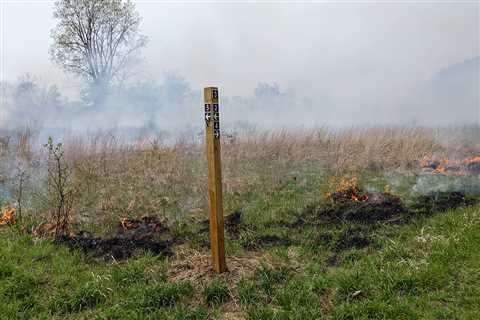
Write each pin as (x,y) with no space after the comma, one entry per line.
(212,138)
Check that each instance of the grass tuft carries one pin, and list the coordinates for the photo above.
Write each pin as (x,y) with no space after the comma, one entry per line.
(162,295)
(87,296)
(216,293)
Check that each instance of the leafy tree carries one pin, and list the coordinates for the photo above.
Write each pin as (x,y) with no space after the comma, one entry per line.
(96,40)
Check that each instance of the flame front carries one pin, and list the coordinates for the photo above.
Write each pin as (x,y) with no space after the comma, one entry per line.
(444,165)
(7,216)
(128,224)
(348,190)
(472,160)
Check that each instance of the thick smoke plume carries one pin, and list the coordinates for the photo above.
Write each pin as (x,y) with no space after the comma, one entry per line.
(171,106)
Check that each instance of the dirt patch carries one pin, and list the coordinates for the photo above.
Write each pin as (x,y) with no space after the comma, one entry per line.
(130,237)
(196,266)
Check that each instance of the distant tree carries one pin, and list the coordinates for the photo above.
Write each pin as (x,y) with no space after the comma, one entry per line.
(96,39)
(29,96)
(175,88)
(266,90)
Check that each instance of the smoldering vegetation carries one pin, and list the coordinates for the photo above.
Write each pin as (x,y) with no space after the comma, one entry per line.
(352,178)
(351,189)
(131,235)
(74,170)
(321,199)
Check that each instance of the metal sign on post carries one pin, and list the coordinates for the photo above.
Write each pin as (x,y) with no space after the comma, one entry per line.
(212,138)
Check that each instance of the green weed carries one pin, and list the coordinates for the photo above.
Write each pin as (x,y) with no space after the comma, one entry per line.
(216,292)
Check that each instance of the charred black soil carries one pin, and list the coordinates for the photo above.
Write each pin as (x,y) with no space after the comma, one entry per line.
(375,208)
(132,236)
(233,224)
(440,201)
(352,223)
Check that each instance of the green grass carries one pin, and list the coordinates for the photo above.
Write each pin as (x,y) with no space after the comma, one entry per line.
(428,268)
(216,293)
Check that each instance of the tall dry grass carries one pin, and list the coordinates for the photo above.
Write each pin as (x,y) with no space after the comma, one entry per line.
(338,149)
(124,177)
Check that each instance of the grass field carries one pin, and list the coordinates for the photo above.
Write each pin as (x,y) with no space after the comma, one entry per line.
(429,269)
(292,252)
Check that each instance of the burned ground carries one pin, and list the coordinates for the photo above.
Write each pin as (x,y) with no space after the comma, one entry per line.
(117,247)
(351,223)
(473,167)
(248,236)
(233,224)
(381,207)
(146,234)
(440,201)
(375,208)
(258,242)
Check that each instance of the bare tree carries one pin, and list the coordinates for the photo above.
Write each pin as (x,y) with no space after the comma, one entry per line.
(96,39)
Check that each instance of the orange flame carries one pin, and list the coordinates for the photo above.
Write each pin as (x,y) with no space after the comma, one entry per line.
(442,165)
(348,190)
(128,224)
(7,216)
(471,160)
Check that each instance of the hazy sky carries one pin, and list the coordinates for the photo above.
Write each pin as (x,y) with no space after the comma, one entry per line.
(308,46)
(370,51)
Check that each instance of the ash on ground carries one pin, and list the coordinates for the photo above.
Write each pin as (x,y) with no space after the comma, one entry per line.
(132,236)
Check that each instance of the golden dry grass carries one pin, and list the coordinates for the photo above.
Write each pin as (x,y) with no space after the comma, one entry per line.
(342,149)
(116,177)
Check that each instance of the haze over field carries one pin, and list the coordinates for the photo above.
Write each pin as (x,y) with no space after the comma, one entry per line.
(345,185)
(277,65)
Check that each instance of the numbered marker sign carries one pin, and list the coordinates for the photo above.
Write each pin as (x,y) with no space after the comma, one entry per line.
(213,146)
(208,114)
(216,117)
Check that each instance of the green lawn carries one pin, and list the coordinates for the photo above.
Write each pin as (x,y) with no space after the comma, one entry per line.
(427,269)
